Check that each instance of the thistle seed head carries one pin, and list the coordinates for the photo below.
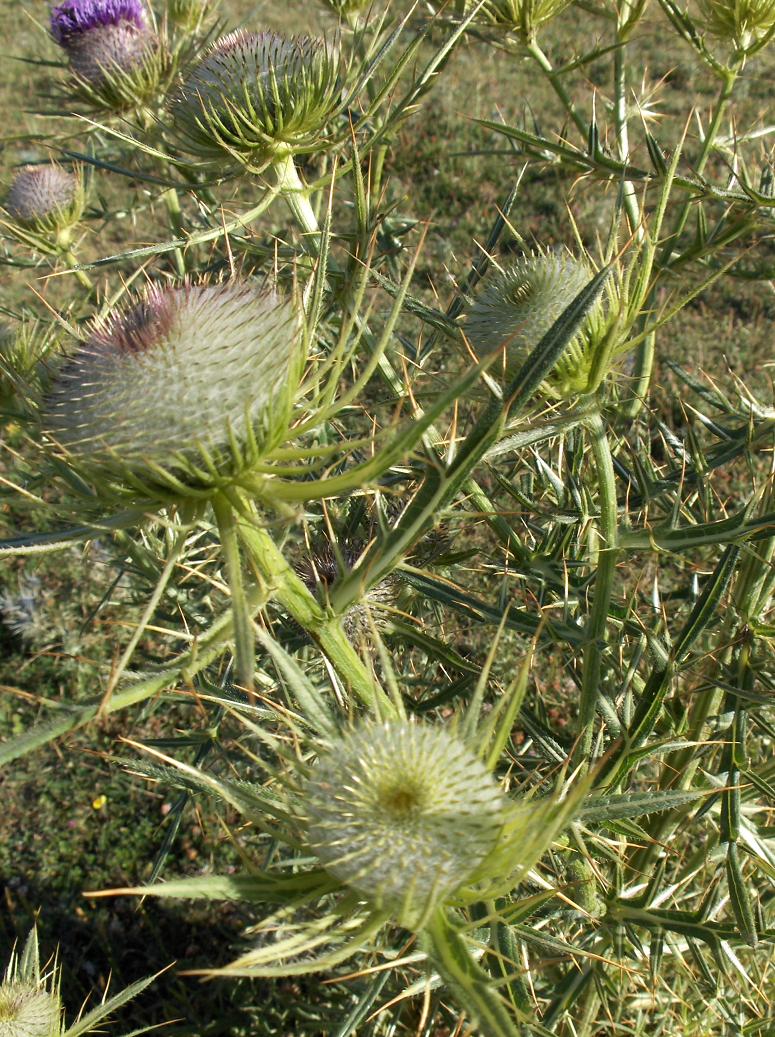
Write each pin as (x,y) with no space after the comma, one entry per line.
(741,22)
(47,197)
(28,1010)
(516,307)
(257,97)
(404,813)
(196,380)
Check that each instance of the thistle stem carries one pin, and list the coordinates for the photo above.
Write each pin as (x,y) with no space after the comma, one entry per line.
(595,633)
(644,357)
(468,984)
(172,205)
(296,195)
(244,641)
(294,595)
(629,197)
(557,85)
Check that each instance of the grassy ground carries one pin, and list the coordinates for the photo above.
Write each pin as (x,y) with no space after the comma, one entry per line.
(70,820)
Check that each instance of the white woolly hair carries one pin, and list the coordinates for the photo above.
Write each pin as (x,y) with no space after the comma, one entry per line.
(402,812)
(187,369)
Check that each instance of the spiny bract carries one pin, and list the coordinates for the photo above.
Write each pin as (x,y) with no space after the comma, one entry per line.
(189,374)
(257,97)
(740,21)
(402,812)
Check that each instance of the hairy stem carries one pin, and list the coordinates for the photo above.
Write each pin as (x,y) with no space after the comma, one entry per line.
(591,693)
(292,593)
(244,641)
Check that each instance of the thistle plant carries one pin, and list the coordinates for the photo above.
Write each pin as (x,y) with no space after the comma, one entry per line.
(513,777)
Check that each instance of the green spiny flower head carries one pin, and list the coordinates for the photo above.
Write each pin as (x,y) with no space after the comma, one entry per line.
(523,17)
(255,98)
(47,198)
(404,813)
(185,390)
(29,1010)
(517,305)
(742,22)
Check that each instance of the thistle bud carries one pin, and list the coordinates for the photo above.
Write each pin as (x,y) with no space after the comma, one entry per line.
(47,198)
(523,17)
(404,813)
(517,306)
(28,1010)
(258,97)
(185,390)
(742,22)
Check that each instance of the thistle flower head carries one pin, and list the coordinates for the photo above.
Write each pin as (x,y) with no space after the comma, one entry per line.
(28,1010)
(75,18)
(47,198)
(117,60)
(403,813)
(516,307)
(742,22)
(195,381)
(257,97)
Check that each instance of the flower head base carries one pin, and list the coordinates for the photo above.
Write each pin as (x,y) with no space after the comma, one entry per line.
(258,97)
(47,198)
(184,391)
(403,813)
(517,306)
(742,22)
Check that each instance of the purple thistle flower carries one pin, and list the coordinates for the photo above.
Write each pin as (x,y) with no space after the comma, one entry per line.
(73,18)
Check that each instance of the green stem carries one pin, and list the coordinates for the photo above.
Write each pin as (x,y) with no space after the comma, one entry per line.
(72,264)
(296,195)
(645,355)
(296,598)
(468,984)
(244,640)
(595,634)
(172,204)
(557,85)
(629,197)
